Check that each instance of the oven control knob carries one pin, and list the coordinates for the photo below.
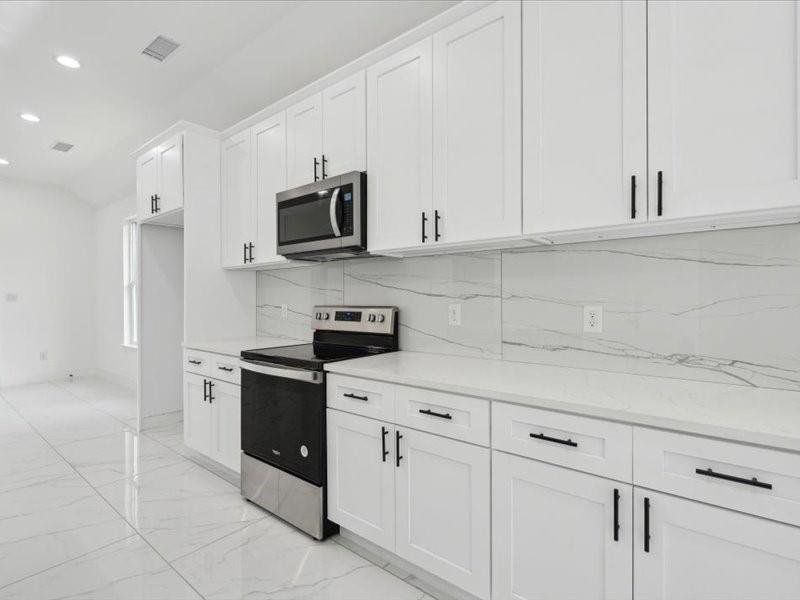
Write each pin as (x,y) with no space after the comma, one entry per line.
(371,318)
(318,316)
(381,318)
(326,316)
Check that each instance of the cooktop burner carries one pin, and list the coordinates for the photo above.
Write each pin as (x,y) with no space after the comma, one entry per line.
(308,356)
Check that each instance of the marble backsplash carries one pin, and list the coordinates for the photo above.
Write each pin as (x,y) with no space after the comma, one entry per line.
(718,306)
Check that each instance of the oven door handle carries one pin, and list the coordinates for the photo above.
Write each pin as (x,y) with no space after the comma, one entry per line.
(285,372)
(334,218)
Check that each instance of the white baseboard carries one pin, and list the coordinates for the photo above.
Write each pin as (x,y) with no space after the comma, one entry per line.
(410,573)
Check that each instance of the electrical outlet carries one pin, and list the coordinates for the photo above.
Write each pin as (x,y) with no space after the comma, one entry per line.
(593,319)
(11,297)
(43,355)
(454,315)
(284,311)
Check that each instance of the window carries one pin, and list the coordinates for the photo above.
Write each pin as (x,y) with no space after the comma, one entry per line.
(130,269)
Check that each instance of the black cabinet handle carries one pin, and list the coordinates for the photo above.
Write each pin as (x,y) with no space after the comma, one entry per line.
(426,411)
(633,196)
(384,431)
(660,185)
(316,164)
(647,524)
(547,438)
(152,204)
(244,253)
(397,437)
(356,397)
(616,515)
(324,162)
(205,390)
(211,384)
(436,235)
(157,198)
(424,221)
(195,362)
(226,369)
(248,252)
(753,481)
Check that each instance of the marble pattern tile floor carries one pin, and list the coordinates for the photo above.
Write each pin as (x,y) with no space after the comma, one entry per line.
(91,508)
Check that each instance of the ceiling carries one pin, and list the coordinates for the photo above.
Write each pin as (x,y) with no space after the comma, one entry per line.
(235,58)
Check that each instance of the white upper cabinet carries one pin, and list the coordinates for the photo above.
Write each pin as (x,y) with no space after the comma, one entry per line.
(326,133)
(237,202)
(558,533)
(399,133)
(269,166)
(170,174)
(443,515)
(304,141)
(146,183)
(159,179)
(584,101)
(477,125)
(344,126)
(699,551)
(723,104)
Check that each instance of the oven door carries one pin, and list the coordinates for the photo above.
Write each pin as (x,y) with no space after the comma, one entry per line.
(283,418)
(322,216)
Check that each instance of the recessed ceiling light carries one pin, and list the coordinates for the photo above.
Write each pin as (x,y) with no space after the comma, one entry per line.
(68,61)
(30,117)
(3,161)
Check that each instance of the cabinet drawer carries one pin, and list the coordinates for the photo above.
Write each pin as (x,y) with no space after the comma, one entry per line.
(581,443)
(361,396)
(459,417)
(754,480)
(215,366)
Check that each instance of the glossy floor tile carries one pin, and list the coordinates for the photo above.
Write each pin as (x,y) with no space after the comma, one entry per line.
(91,508)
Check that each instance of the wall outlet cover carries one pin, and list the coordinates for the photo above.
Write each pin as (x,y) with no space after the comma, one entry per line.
(454,315)
(593,319)
(284,311)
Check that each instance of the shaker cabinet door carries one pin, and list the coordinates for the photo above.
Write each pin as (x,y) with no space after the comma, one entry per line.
(237,214)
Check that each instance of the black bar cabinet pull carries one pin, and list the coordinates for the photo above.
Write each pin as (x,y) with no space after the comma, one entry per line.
(616,515)
(250,251)
(324,162)
(633,196)
(660,193)
(210,391)
(244,253)
(384,431)
(316,164)
(152,204)
(205,390)
(356,397)
(547,438)
(427,411)
(157,199)
(753,481)
(195,362)
(397,437)
(424,221)
(436,235)
(227,369)
(647,524)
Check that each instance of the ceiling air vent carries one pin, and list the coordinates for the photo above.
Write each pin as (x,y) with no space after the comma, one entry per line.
(160,48)
(62,147)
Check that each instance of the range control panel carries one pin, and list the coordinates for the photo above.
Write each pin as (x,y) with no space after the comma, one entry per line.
(371,319)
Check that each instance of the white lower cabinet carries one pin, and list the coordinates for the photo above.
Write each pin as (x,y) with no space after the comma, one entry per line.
(212,418)
(422,496)
(558,533)
(226,424)
(196,413)
(361,476)
(697,551)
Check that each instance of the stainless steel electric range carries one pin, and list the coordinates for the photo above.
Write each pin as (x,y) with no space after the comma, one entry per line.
(283,412)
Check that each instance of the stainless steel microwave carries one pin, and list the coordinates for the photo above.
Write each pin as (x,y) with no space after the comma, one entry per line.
(324,220)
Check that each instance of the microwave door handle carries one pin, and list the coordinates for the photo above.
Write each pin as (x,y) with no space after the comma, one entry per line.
(333,214)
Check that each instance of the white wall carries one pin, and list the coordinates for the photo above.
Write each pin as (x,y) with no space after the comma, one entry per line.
(46,260)
(112,359)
